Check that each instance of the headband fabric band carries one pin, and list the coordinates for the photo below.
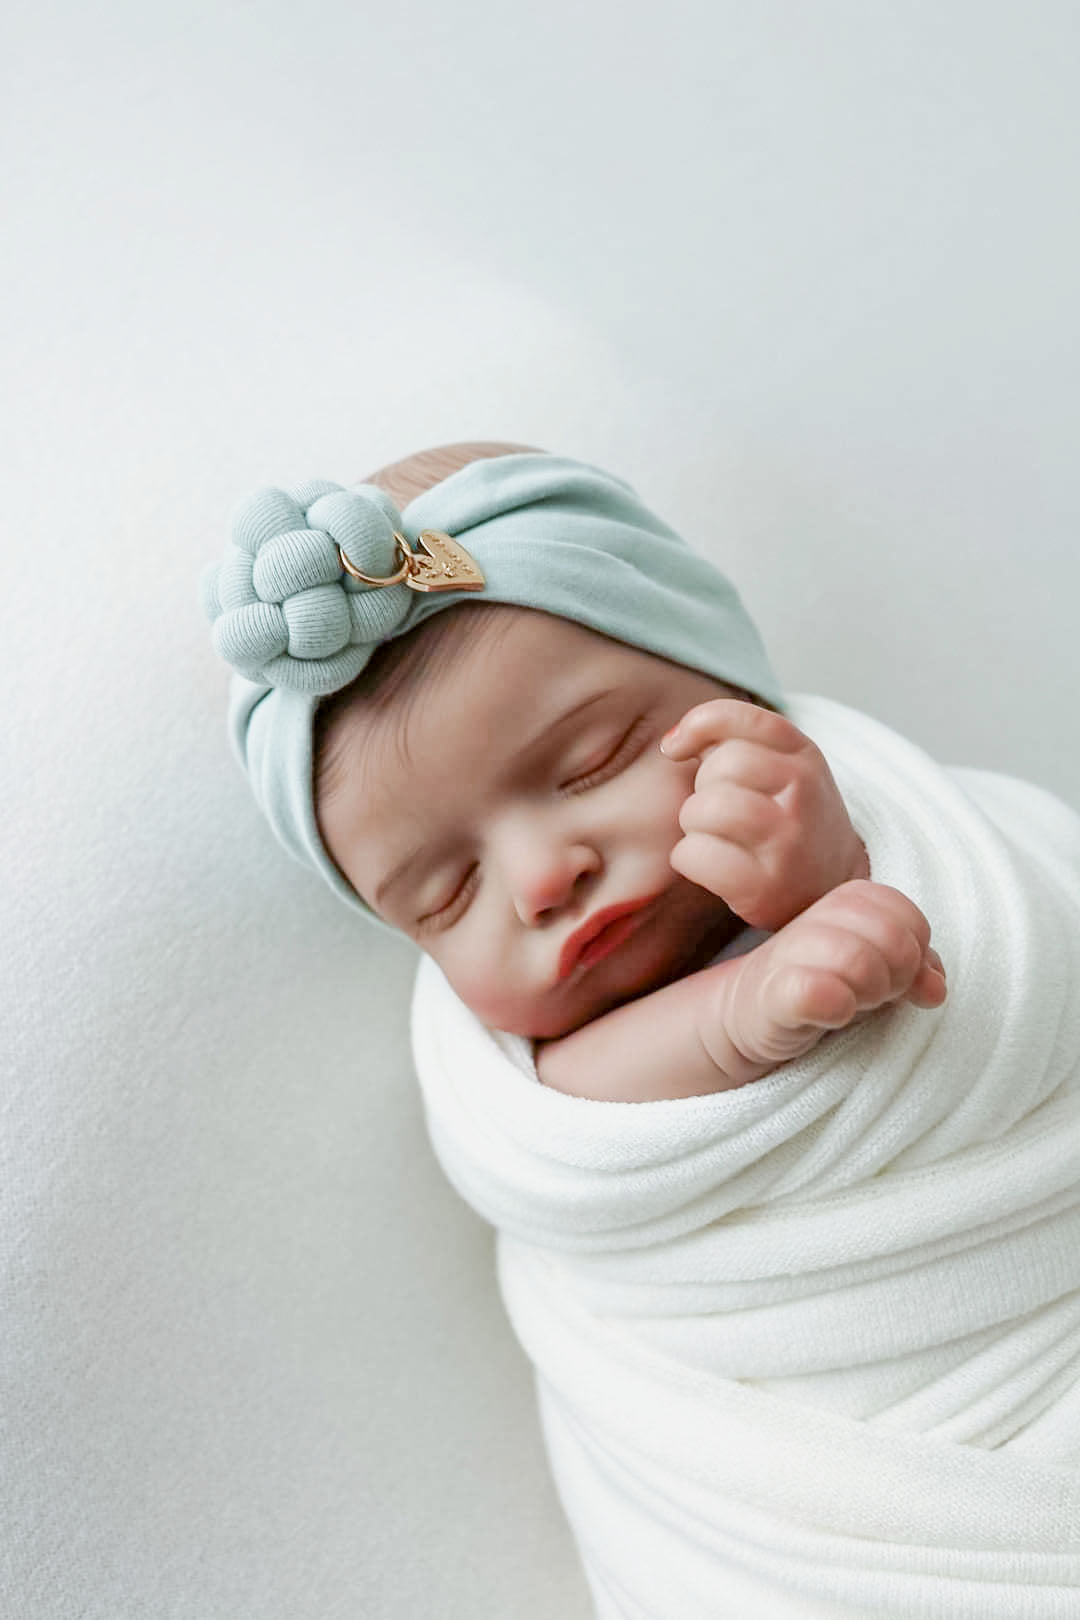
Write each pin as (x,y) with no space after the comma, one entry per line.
(547,533)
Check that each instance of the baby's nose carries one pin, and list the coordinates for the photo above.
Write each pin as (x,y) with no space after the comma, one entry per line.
(548,880)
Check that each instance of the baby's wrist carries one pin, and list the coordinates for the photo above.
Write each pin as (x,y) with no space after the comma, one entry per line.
(727,1020)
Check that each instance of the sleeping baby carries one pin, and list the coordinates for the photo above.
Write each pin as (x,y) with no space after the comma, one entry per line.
(572,827)
(807,1346)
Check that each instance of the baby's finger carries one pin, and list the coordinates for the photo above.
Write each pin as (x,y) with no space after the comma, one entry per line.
(723,868)
(809,995)
(735,813)
(860,903)
(750,764)
(715,722)
(871,971)
(929,988)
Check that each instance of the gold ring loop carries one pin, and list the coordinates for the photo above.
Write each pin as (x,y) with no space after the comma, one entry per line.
(407,567)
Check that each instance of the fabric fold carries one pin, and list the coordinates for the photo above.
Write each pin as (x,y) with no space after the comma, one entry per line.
(816,1341)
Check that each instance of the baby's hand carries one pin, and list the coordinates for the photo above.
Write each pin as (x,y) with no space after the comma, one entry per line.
(861,946)
(765,828)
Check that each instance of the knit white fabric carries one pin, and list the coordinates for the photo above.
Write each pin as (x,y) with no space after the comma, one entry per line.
(812,1347)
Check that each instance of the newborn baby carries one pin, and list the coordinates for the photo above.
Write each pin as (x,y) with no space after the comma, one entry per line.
(807,1346)
(572,828)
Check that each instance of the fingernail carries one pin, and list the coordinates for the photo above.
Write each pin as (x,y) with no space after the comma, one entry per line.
(668,737)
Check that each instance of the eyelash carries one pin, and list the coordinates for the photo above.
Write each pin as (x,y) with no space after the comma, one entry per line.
(577,784)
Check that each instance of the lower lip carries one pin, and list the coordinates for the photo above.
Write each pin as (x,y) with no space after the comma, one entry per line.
(608,939)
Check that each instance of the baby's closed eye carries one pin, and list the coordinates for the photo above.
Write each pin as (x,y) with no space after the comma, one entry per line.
(629,743)
(443,916)
(613,761)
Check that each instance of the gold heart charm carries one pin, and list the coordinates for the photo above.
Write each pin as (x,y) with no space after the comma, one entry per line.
(442,564)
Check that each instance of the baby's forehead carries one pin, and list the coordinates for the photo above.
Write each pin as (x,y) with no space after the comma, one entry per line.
(545,645)
(488,682)
(493,646)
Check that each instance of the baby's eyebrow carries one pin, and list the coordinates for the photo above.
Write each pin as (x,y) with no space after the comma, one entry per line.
(402,866)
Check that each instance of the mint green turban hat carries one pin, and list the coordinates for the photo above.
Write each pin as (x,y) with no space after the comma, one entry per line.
(546,532)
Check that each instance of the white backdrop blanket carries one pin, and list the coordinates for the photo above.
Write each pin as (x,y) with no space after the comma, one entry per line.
(811,1348)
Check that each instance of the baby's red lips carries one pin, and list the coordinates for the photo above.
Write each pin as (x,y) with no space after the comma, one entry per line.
(576,946)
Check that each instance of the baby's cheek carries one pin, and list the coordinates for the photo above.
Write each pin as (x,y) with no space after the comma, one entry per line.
(484,991)
(499,1003)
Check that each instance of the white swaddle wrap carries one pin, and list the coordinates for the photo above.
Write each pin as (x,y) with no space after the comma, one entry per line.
(812,1347)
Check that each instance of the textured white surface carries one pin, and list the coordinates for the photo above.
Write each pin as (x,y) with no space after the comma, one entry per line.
(806,276)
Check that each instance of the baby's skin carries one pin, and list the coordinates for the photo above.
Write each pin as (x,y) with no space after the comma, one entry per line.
(538,776)
(516,790)
(766,829)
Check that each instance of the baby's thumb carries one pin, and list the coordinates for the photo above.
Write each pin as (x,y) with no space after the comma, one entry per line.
(679,745)
(929,988)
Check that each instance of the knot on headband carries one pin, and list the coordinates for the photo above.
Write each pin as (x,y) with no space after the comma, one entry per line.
(285,611)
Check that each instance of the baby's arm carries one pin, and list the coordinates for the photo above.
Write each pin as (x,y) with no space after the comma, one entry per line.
(862,945)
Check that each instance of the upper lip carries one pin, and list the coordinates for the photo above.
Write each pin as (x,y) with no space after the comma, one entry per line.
(575,945)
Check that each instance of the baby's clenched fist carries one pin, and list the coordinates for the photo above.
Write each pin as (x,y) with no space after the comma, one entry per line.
(861,946)
(765,828)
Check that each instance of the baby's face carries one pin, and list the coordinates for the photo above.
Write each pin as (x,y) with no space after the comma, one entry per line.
(528,794)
